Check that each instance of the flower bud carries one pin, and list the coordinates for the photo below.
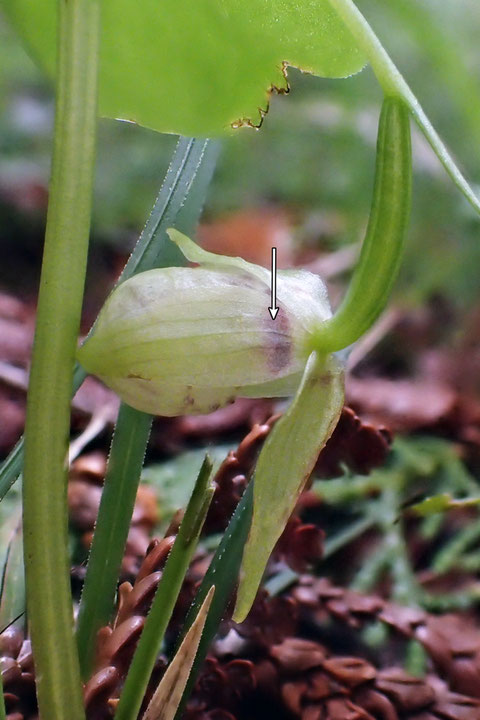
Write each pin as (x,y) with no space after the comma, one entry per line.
(186,340)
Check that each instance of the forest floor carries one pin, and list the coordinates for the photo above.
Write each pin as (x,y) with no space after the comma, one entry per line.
(369,607)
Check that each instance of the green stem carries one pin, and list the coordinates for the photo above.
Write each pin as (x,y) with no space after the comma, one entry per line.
(394,85)
(382,249)
(166,596)
(440,51)
(118,498)
(48,409)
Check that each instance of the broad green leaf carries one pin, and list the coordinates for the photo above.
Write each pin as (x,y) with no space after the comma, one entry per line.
(199,68)
(284,466)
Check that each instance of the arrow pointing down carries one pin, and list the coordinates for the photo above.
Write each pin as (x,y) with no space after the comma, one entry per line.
(273,310)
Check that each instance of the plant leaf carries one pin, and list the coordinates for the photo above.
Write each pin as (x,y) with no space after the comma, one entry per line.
(166,596)
(442,503)
(196,68)
(223,570)
(12,594)
(168,695)
(284,466)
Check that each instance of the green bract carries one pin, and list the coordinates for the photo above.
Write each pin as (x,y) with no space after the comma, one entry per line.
(177,341)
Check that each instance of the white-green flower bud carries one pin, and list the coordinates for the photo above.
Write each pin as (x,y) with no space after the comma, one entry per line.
(177,341)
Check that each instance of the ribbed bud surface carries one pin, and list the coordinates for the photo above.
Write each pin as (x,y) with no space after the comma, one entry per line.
(177,341)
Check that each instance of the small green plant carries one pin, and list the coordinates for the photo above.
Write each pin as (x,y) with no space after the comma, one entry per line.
(158,360)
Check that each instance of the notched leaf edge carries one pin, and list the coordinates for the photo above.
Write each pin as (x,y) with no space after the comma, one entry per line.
(273,89)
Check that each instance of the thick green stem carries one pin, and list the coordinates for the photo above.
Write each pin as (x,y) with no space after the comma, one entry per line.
(49,601)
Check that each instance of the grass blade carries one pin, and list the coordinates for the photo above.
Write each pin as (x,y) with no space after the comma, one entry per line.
(11,468)
(223,573)
(114,517)
(12,593)
(167,697)
(166,596)
(190,171)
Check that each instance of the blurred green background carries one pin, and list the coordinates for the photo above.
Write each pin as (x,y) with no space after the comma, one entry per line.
(313,156)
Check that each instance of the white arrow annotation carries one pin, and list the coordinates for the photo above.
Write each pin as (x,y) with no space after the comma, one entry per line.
(273,309)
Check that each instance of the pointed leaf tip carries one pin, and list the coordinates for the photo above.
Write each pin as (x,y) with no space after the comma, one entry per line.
(285,464)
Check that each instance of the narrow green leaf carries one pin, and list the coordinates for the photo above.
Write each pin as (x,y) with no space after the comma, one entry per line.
(441,503)
(167,697)
(11,468)
(179,204)
(223,572)
(114,516)
(166,596)
(284,466)
(173,479)
(12,594)
(190,172)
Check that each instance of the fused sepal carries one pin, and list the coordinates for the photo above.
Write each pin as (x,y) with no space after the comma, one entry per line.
(285,464)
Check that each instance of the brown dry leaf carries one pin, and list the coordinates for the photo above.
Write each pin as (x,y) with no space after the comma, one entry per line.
(403,405)
(167,697)
(251,234)
(356,443)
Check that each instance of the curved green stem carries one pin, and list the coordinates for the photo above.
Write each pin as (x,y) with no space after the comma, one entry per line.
(393,84)
(382,248)
(49,601)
